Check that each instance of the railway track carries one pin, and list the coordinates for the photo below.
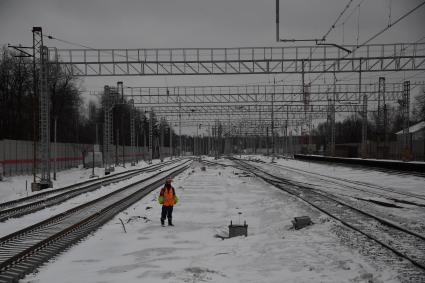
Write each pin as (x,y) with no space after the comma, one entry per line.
(404,243)
(381,191)
(27,205)
(23,251)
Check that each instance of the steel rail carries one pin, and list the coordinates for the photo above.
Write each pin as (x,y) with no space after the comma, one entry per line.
(359,220)
(56,199)
(326,204)
(23,251)
(335,180)
(22,200)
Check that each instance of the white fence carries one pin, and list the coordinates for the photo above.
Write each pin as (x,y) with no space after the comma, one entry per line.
(16,156)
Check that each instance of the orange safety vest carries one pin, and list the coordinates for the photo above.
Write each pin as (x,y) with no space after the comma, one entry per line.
(168,194)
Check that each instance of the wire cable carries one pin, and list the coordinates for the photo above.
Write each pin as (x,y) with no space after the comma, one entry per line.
(376,35)
(337,19)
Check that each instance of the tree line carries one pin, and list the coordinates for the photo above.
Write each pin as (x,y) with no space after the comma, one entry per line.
(18,105)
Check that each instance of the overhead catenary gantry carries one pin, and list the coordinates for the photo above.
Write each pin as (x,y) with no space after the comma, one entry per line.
(241,60)
(217,61)
(267,103)
(260,94)
(246,101)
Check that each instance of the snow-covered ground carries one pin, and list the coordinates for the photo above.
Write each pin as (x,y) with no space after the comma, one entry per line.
(377,186)
(191,252)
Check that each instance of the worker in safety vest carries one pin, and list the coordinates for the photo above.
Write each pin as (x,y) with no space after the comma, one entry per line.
(167,197)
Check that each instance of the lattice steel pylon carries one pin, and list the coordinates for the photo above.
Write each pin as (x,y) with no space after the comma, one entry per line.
(161,144)
(132,133)
(41,91)
(406,111)
(44,119)
(364,127)
(331,125)
(108,127)
(382,119)
(151,135)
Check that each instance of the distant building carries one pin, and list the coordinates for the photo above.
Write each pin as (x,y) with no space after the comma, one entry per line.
(416,140)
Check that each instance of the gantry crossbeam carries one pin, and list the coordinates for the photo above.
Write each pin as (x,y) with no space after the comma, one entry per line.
(224,110)
(240,60)
(260,94)
(244,123)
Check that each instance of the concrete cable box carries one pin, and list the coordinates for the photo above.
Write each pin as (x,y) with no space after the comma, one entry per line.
(238,230)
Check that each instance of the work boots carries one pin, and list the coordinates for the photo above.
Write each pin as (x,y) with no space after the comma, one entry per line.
(170,222)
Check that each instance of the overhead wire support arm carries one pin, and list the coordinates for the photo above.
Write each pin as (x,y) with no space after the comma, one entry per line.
(20,49)
(335,45)
(301,40)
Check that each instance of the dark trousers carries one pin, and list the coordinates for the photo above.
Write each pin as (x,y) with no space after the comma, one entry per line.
(167,212)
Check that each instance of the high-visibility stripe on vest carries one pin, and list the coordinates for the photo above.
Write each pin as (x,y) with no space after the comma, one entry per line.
(168,194)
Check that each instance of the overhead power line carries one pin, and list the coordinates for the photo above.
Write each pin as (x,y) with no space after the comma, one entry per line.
(337,19)
(392,24)
(68,42)
(377,34)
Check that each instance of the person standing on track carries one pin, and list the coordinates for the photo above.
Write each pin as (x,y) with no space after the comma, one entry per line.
(167,197)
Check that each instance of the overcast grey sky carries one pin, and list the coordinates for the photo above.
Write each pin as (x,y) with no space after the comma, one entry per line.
(200,23)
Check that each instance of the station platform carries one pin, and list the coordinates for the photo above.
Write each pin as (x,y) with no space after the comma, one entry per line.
(412,166)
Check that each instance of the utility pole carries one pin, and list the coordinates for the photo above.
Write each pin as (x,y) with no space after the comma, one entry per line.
(56,151)
(161,147)
(37,42)
(171,142)
(277,20)
(272,124)
(108,129)
(117,138)
(150,135)
(364,127)
(267,140)
(381,119)
(132,132)
(333,118)
(364,114)
(96,142)
(122,143)
(406,114)
(41,89)
(180,124)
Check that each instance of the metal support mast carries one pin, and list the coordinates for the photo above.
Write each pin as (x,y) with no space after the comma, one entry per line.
(171,142)
(44,120)
(161,146)
(109,101)
(132,133)
(406,110)
(381,125)
(272,122)
(37,42)
(150,135)
(331,126)
(332,119)
(41,90)
(364,127)
(364,115)
(180,128)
